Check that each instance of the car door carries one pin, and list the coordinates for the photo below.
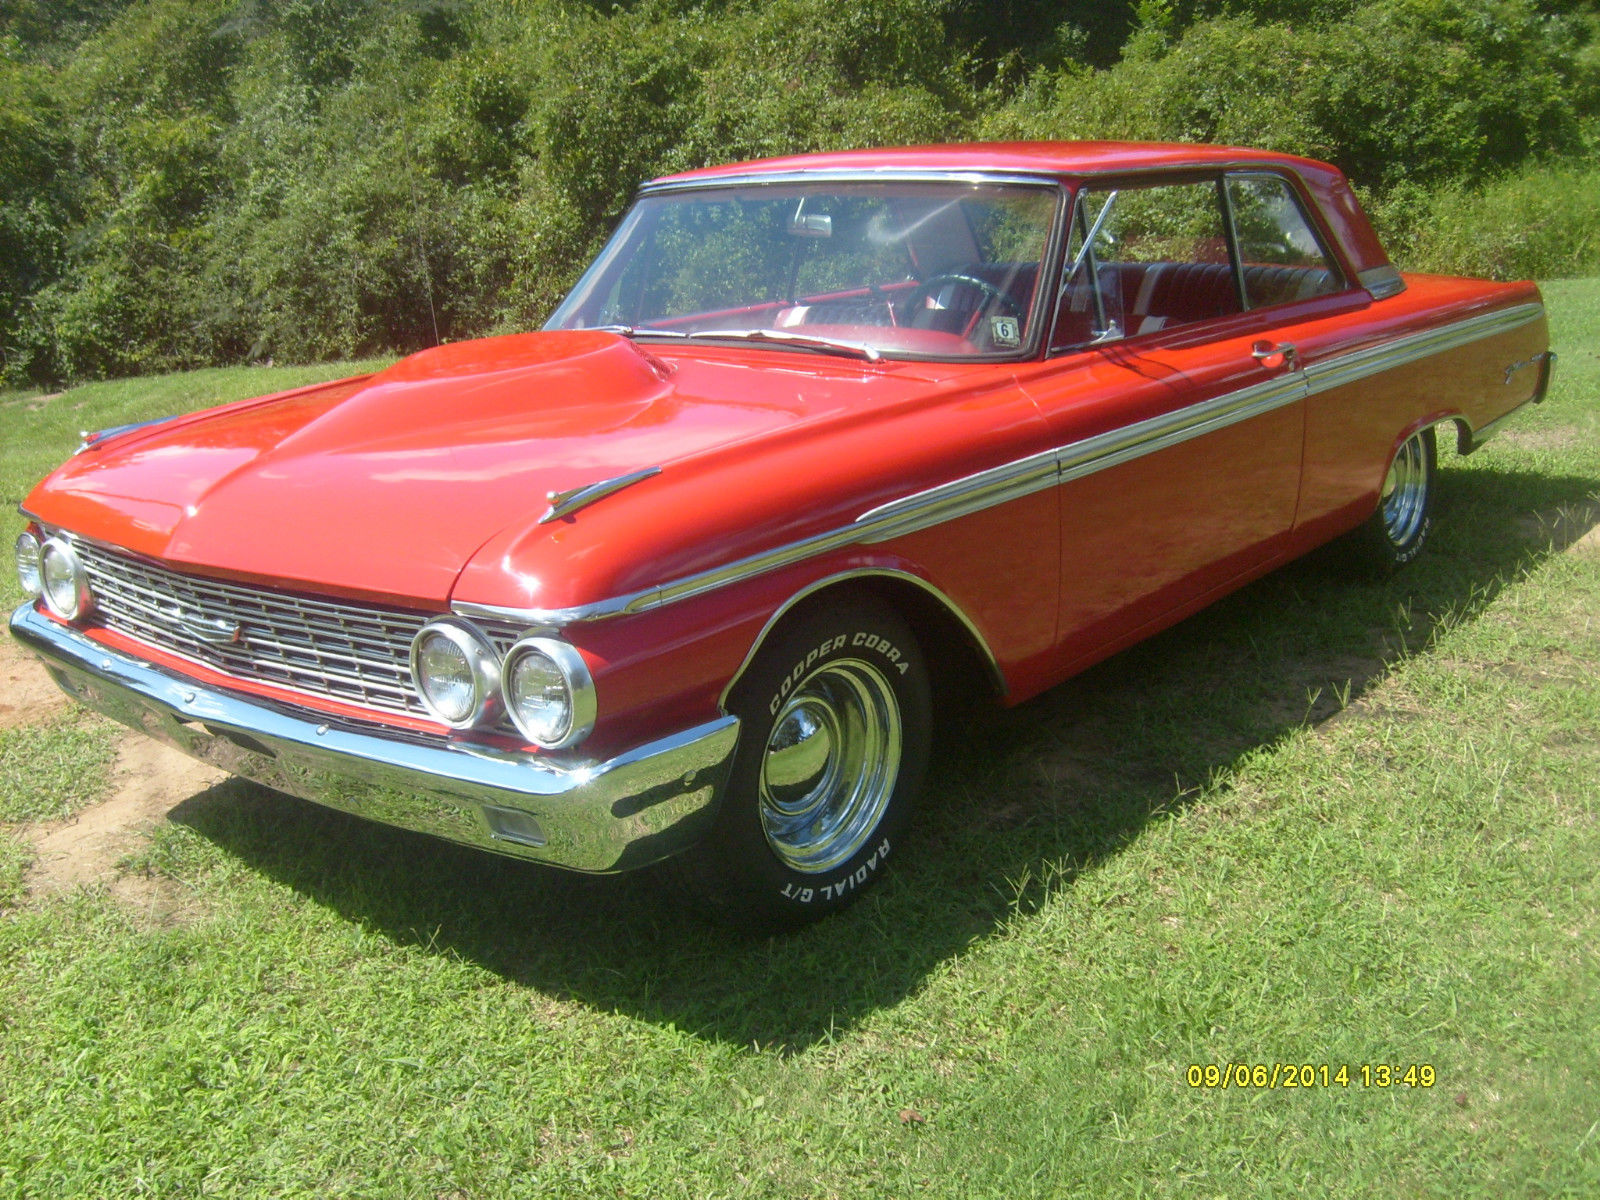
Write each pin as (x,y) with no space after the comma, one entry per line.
(1176,404)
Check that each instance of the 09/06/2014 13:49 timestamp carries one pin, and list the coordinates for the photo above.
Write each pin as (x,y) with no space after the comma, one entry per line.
(1309,1075)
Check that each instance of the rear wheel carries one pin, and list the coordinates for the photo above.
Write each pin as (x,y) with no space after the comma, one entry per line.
(1396,533)
(834,714)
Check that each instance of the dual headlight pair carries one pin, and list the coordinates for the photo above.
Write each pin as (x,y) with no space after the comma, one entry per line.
(542,683)
(54,570)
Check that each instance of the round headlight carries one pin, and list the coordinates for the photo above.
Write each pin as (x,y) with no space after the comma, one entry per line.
(457,673)
(549,692)
(63,581)
(28,563)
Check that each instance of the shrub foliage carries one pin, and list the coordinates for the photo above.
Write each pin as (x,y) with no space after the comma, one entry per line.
(204,181)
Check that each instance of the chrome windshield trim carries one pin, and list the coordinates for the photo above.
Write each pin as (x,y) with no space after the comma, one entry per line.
(1041,178)
(564,504)
(1022,477)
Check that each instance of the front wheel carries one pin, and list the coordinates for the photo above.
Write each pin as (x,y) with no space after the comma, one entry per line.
(1396,533)
(835,717)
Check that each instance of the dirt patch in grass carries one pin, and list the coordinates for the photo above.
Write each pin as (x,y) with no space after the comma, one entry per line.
(1589,543)
(1575,527)
(149,780)
(1560,437)
(27,693)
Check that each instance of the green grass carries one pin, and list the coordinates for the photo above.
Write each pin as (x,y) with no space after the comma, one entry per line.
(48,772)
(1325,822)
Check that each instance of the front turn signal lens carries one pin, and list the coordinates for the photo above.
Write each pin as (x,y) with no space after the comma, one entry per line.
(28,565)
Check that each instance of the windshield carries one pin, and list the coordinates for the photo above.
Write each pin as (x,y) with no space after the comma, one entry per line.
(893,269)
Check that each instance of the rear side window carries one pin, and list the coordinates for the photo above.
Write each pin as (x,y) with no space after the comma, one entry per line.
(1283,259)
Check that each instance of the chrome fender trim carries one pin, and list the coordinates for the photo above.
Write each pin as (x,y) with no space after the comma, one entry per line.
(827,581)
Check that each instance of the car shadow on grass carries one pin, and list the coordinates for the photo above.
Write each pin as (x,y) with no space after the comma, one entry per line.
(1038,791)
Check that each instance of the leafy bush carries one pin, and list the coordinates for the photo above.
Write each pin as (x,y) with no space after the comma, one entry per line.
(1543,223)
(197,181)
(1399,91)
(33,208)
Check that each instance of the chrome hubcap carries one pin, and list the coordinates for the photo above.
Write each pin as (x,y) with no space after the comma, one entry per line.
(1404,490)
(830,765)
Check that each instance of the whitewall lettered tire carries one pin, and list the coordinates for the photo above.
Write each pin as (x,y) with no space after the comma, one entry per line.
(835,716)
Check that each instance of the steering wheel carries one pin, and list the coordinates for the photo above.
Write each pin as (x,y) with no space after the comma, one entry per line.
(992,296)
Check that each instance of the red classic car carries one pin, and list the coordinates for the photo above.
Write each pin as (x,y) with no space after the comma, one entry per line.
(816,445)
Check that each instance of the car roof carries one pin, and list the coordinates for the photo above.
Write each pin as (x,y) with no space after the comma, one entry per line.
(1028,158)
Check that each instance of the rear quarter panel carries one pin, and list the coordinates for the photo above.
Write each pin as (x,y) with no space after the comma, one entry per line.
(1437,352)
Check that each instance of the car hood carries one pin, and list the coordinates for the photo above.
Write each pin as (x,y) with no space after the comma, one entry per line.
(387,485)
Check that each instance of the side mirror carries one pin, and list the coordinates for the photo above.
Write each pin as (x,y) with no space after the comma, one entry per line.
(804,224)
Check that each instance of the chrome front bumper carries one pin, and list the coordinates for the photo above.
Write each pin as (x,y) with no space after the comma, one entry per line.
(626,812)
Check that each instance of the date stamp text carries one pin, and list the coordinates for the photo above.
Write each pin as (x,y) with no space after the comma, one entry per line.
(1274,1075)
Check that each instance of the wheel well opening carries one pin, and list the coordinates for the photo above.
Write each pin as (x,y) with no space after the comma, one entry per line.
(960,670)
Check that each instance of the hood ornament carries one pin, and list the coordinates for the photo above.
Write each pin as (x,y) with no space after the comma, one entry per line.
(564,504)
(94,439)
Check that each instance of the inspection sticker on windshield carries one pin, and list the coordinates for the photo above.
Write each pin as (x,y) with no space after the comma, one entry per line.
(1005,331)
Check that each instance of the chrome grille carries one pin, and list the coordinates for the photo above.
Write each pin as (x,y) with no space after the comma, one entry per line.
(356,653)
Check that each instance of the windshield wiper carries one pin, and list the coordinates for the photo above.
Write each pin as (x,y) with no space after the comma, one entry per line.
(783,337)
(629,331)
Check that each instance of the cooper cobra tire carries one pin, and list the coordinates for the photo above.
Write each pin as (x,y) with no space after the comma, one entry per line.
(1397,532)
(835,716)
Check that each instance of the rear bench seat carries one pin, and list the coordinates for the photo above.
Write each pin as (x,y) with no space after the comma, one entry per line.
(1151,296)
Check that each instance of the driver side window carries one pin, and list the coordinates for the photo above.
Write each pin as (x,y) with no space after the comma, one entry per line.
(1141,259)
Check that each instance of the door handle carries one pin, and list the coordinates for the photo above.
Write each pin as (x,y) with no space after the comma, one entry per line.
(1273,355)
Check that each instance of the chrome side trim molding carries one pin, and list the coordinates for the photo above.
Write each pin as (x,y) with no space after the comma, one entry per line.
(1171,429)
(541,620)
(1469,441)
(1022,477)
(564,504)
(1351,368)
(1477,437)
(1538,360)
(959,498)
(1546,370)
(974,493)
